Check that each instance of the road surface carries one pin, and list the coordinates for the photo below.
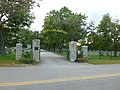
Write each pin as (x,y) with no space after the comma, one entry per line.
(55,72)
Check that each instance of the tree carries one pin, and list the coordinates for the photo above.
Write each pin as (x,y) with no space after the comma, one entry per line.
(92,36)
(107,36)
(115,36)
(25,37)
(103,30)
(14,14)
(72,23)
(11,36)
(52,39)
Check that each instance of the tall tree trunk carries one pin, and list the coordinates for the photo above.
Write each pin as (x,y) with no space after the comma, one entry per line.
(2,45)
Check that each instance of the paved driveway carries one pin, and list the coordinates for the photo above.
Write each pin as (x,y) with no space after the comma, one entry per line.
(55,72)
(51,59)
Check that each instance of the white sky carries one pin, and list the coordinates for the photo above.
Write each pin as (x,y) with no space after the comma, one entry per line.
(94,9)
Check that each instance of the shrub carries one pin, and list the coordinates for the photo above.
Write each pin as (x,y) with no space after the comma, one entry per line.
(80,57)
(27,61)
(26,58)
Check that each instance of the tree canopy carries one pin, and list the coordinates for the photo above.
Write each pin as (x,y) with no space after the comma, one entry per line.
(14,14)
(65,20)
(107,36)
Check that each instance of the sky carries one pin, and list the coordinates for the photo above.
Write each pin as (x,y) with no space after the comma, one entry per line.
(94,9)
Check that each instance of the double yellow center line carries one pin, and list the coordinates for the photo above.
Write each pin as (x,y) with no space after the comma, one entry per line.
(56,80)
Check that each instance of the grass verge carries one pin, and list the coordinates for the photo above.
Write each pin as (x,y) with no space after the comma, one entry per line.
(95,59)
(62,53)
(9,61)
(104,61)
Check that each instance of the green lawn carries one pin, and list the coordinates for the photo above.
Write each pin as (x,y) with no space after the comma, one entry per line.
(105,57)
(8,60)
(62,54)
(96,59)
(104,61)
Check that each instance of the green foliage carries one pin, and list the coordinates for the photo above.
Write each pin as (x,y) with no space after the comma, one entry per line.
(27,61)
(27,58)
(9,57)
(104,56)
(80,54)
(26,37)
(104,28)
(71,26)
(107,36)
(94,58)
(11,36)
(104,61)
(80,57)
(14,15)
(68,54)
(8,60)
(17,13)
(15,35)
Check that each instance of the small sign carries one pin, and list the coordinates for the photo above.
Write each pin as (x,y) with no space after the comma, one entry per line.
(36,48)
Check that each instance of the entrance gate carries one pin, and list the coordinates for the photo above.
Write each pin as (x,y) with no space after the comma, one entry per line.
(72,50)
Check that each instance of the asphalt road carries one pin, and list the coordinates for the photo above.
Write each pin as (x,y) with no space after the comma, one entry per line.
(55,72)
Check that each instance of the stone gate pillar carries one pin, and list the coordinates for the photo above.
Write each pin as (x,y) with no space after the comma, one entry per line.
(72,51)
(36,49)
(85,51)
(18,51)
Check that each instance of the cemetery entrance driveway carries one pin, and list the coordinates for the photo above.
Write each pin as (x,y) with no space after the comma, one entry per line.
(52,59)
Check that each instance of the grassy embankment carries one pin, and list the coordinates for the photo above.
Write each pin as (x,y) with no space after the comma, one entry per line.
(96,59)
